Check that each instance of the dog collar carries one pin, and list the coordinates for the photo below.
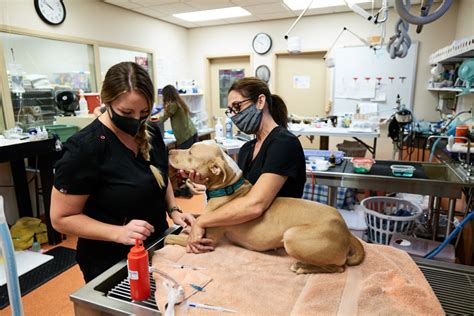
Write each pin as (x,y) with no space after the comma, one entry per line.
(229,190)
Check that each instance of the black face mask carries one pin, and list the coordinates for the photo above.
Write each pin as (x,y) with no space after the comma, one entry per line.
(128,125)
(248,120)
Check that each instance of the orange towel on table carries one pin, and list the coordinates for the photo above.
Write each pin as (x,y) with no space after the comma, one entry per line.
(261,283)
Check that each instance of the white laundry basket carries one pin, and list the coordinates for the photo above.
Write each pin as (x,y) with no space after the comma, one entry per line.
(381,221)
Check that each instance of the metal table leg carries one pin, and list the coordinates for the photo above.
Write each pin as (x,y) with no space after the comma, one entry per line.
(332,195)
(451,209)
(435,222)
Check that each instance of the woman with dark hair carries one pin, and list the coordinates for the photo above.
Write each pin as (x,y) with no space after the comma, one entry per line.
(111,184)
(178,112)
(273,162)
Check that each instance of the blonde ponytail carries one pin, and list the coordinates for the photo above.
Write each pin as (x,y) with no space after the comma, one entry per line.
(143,139)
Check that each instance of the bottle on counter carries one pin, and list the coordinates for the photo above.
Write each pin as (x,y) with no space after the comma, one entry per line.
(228,128)
(332,160)
(219,129)
(83,109)
(138,272)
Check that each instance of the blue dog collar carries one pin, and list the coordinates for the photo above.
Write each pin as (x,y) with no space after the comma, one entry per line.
(229,190)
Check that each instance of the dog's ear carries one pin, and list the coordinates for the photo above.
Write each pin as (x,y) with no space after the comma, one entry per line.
(217,167)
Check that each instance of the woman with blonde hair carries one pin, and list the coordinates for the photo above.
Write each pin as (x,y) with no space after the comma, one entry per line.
(111,184)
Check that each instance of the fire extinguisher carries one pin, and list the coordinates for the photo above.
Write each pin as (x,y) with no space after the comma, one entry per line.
(138,272)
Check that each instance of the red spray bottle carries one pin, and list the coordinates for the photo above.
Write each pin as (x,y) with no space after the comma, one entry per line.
(138,272)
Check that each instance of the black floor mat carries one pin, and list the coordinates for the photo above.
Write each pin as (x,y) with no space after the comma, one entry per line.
(64,258)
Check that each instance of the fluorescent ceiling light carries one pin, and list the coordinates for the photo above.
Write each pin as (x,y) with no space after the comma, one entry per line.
(216,14)
(296,5)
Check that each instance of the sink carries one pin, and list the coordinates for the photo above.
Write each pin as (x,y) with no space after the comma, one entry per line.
(441,172)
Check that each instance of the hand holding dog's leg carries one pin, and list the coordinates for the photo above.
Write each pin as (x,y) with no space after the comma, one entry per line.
(196,242)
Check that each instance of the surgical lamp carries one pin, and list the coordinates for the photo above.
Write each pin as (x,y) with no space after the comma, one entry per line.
(380,17)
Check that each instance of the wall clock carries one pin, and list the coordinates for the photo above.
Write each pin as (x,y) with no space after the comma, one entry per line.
(263,72)
(262,43)
(51,11)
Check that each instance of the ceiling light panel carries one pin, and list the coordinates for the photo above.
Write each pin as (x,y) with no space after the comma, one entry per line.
(210,15)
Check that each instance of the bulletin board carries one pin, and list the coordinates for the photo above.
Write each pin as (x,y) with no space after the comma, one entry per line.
(373,80)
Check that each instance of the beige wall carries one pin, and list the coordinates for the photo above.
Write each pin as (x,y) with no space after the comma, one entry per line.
(318,33)
(93,19)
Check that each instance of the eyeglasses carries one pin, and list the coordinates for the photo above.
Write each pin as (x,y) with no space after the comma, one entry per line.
(235,107)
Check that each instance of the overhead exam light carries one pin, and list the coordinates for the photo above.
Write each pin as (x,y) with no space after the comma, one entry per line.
(294,43)
(330,61)
(380,17)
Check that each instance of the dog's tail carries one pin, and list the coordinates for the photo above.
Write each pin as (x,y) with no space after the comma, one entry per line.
(356,253)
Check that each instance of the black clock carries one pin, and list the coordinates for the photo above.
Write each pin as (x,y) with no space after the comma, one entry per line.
(52,12)
(263,72)
(262,43)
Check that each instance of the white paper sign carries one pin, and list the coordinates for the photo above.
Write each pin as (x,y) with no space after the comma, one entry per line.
(301,82)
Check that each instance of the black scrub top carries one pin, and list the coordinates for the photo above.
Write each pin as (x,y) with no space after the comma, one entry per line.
(120,185)
(281,153)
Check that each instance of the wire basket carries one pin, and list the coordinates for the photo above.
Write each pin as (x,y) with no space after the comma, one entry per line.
(382,221)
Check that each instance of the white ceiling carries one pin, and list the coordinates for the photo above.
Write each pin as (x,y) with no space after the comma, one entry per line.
(261,10)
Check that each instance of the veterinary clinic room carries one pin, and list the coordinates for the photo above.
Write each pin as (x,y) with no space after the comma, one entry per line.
(248,157)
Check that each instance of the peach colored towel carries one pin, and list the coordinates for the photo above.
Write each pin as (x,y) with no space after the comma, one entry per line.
(388,282)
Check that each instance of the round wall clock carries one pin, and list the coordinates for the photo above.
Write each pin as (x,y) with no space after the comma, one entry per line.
(263,72)
(262,43)
(51,11)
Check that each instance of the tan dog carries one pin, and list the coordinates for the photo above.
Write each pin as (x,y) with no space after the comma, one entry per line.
(313,233)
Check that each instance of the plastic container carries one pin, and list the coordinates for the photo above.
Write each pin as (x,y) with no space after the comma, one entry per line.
(352,149)
(382,221)
(138,272)
(93,101)
(420,247)
(461,131)
(309,153)
(63,131)
(362,165)
(228,128)
(402,170)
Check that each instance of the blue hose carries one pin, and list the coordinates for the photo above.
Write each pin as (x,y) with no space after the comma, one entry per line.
(453,234)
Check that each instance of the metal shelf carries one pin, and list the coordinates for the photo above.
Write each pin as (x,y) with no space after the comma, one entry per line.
(448,89)
(454,53)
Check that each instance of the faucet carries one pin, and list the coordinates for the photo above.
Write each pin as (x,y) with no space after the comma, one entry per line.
(428,141)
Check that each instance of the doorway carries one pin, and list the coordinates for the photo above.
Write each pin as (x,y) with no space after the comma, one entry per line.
(301,80)
(223,71)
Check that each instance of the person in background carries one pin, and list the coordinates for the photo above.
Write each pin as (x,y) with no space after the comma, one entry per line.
(111,184)
(273,162)
(178,112)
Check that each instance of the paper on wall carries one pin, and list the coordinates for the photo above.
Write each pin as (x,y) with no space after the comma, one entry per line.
(301,82)
(368,107)
(380,93)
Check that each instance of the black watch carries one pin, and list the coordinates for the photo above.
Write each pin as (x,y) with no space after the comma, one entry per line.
(173,209)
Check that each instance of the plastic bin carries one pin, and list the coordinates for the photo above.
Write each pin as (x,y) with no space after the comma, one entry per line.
(63,131)
(352,149)
(381,221)
(93,101)
(339,155)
